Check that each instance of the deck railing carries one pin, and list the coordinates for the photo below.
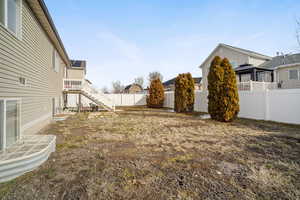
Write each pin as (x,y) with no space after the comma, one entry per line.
(73,84)
(257,86)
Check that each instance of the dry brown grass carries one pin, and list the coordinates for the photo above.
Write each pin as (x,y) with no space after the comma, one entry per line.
(142,153)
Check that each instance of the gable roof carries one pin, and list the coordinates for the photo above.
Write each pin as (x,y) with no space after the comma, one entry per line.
(129,86)
(237,49)
(281,61)
(172,81)
(248,52)
(42,14)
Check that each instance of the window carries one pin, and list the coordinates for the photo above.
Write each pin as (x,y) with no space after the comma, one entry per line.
(55,60)
(264,76)
(9,121)
(10,15)
(293,74)
(245,77)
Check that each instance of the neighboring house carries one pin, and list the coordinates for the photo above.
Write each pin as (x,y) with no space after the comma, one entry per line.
(236,56)
(286,69)
(133,89)
(170,84)
(33,64)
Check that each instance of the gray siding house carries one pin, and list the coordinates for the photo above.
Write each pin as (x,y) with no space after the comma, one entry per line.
(287,70)
(33,64)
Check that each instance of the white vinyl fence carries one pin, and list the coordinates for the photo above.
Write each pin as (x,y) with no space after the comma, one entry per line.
(128,99)
(281,105)
(200,100)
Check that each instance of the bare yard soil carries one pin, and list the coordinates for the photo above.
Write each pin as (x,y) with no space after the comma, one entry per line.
(142,153)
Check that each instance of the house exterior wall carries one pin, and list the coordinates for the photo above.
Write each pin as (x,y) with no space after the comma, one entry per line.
(233,56)
(30,57)
(133,89)
(236,58)
(75,73)
(256,61)
(282,76)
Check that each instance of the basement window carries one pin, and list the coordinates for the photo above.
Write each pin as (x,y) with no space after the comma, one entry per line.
(9,122)
(10,16)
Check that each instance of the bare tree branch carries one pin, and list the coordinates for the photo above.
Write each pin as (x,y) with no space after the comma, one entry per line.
(155,75)
(139,80)
(117,87)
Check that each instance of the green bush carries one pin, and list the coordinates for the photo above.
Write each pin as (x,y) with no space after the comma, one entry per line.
(156,96)
(184,93)
(223,99)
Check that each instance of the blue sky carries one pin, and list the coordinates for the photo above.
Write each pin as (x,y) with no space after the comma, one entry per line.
(122,40)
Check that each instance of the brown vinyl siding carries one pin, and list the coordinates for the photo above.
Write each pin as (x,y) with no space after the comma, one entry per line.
(31,58)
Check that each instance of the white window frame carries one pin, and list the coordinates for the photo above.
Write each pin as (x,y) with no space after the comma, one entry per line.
(18,33)
(298,73)
(3,145)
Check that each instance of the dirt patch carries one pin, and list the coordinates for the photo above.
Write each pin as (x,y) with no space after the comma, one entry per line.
(143,153)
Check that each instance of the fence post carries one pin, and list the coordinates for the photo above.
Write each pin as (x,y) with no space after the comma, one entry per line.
(121,99)
(267,111)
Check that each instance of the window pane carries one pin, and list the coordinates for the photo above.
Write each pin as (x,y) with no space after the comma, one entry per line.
(2,12)
(268,77)
(12,15)
(293,74)
(1,123)
(245,77)
(261,77)
(12,122)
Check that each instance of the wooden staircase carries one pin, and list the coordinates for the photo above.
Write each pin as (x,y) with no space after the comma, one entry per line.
(82,87)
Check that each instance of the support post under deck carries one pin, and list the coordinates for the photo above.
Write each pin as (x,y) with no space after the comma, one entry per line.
(79,102)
